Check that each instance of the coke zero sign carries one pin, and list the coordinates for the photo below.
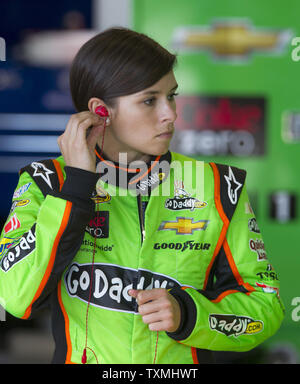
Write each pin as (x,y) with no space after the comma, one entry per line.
(220,125)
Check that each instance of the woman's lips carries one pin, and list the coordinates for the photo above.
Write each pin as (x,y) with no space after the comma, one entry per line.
(165,135)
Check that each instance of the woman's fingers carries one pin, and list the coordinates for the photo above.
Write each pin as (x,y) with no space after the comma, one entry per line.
(77,144)
(158,308)
(81,122)
(93,136)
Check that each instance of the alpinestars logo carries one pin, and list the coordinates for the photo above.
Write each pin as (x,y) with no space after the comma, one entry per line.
(233,186)
(111,283)
(41,171)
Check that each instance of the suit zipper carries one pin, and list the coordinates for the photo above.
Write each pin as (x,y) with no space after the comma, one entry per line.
(135,282)
(142,218)
(142,230)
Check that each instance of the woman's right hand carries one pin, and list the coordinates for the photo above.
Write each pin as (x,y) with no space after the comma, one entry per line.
(77,148)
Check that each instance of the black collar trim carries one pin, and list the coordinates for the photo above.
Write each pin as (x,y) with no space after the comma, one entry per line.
(143,179)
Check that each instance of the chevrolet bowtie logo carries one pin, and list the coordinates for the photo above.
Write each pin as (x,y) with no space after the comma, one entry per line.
(184,226)
(232,38)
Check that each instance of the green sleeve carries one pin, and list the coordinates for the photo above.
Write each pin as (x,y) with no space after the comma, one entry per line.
(40,238)
(26,250)
(241,307)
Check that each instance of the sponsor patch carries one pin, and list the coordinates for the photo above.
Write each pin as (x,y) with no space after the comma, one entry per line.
(268,274)
(186,203)
(181,247)
(111,283)
(151,180)
(248,209)
(100,195)
(19,192)
(253,226)
(15,253)
(183,199)
(232,325)
(88,246)
(99,226)
(183,225)
(268,289)
(6,243)
(13,223)
(258,246)
(18,203)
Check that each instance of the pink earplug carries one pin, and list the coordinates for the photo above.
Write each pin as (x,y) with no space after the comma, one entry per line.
(101,111)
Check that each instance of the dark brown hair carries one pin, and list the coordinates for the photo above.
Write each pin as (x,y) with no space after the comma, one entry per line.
(114,63)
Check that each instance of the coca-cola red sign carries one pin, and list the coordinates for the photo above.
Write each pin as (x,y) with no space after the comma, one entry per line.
(220,125)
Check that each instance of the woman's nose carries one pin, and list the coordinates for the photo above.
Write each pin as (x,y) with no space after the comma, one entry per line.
(168,113)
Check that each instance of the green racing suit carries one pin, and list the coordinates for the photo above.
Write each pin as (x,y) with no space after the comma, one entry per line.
(76,243)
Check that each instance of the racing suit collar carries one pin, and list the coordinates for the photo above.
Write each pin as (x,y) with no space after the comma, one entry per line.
(144,179)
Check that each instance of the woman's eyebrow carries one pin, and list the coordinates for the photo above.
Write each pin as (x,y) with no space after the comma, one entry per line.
(154,92)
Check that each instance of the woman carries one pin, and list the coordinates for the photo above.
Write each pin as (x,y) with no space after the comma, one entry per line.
(132,273)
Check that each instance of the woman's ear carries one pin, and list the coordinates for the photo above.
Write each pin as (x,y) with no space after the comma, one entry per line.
(95,102)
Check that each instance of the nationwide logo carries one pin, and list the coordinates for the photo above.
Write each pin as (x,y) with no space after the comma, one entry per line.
(232,325)
(190,245)
(111,283)
(183,199)
(14,254)
(88,246)
(184,226)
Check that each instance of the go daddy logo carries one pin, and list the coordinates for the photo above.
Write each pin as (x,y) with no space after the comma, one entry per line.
(234,325)
(15,253)
(111,283)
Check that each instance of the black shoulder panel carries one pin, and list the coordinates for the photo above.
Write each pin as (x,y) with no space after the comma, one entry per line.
(232,180)
(44,174)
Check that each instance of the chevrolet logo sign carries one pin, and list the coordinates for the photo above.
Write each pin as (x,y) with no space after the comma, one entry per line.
(232,38)
(184,226)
